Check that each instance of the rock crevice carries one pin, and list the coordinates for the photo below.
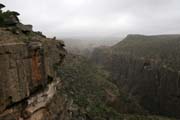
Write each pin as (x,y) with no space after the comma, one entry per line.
(27,69)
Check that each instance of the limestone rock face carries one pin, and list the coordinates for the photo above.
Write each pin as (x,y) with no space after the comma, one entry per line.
(27,75)
(14,72)
(28,62)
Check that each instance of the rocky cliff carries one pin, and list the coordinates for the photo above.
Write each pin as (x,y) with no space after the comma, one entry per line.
(31,88)
(27,70)
(147,68)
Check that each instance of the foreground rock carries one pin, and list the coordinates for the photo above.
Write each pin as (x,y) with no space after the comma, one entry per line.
(27,71)
(30,87)
(28,78)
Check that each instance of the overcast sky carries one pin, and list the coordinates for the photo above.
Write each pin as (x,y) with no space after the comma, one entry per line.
(66,18)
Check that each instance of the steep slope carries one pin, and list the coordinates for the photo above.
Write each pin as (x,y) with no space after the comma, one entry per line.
(164,49)
(31,88)
(27,75)
(147,67)
(91,94)
(88,88)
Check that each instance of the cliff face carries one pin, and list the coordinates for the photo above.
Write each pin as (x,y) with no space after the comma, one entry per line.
(31,89)
(27,71)
(147,68)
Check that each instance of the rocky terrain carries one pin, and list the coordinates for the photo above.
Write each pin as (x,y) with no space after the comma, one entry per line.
(39,80)
(27,74)
(147,68)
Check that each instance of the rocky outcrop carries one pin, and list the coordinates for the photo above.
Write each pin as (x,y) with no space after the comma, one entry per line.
(27,71)
(30,86)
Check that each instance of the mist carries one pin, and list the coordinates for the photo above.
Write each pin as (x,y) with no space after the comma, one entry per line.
(90,60)
(98,18)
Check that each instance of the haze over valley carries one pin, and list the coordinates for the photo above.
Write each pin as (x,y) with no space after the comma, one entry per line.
(89,60)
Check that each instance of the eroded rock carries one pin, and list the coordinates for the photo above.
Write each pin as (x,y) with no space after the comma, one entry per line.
(27,75)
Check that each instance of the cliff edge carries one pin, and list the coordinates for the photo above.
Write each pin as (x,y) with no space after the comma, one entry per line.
(27,69)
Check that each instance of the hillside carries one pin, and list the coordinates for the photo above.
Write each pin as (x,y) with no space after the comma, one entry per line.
(39,80)
(93,96)
(147,67)
(164,49)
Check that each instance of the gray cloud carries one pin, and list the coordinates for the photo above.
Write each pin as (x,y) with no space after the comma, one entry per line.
(64,18)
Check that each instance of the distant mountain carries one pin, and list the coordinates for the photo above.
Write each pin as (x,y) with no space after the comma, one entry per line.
(84,46)
(147,67)
(164,49)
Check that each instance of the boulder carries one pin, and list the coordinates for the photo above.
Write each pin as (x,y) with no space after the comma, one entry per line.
(11,20)
(24,28)
(1,6)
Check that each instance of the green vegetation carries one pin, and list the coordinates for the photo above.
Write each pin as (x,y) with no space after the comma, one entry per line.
(94,95)
(140,117)
(147,68)
(86,84)
(163,48)
(8,18)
